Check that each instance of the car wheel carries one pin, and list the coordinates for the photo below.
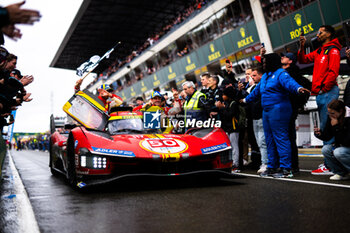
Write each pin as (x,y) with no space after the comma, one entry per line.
(51,164)
(71,173)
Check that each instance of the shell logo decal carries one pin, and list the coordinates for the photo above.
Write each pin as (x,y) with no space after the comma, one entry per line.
(164,145)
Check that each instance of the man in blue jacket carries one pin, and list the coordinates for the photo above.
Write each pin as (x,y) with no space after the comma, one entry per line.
(274,89)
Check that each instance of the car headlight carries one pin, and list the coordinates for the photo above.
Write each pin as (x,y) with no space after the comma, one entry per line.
(89,160)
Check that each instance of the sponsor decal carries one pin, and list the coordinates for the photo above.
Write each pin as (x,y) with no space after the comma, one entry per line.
(151,120)
(75,144)
(246,40)
(164,145)
(307,28)
(81,184)
(114,152)
(214,54)
(212,149)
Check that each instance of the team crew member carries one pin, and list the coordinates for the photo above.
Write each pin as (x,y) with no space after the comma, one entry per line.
(105,94)
(195,103)
(274,89)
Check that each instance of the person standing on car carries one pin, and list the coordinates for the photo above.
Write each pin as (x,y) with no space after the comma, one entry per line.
(326,61)
(105,94)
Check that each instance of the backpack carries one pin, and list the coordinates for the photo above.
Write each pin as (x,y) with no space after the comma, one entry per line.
(328,49)
(241,122)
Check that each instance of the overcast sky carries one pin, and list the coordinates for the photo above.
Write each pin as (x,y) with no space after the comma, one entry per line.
(51,87)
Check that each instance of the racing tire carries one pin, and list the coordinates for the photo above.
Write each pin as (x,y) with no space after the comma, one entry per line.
(71,173)
(51,165)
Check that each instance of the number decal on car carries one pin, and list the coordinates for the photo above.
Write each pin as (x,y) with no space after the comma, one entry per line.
(164,145)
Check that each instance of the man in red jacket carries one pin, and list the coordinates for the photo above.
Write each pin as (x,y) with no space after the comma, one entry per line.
(324,81)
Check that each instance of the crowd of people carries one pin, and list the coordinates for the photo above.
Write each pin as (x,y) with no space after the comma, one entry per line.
(261,109)
(275,10)
(236,18)
(12,83)
(181,16)
(39,142)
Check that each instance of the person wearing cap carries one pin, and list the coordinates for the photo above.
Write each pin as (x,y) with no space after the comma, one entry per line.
(289,61)
(139,101)
(105,94)
(16,74)
(154,103)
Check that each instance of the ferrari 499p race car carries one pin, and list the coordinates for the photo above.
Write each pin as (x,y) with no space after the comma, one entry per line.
(101,147)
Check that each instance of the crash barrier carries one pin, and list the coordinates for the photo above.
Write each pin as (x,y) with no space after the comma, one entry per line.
(2,153)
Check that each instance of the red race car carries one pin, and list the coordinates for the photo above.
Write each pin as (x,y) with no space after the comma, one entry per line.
(99,148)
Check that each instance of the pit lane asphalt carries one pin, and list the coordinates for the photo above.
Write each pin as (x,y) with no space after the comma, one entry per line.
(246,204)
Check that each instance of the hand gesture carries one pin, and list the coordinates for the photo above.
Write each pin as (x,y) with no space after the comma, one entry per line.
(303,90)
(229,67)
(347,52)
(219,104)
(26,80)
(26,97)
(175,93)
(334,119)
(78,84)
(12,32)
(240,86)
(262,51)
(317,131)
(212,114)
(23,16)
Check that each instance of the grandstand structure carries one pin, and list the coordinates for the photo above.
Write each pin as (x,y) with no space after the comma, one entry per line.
(209,33)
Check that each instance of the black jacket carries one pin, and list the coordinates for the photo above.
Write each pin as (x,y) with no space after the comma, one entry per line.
(226,114)
(299,100)
(347,94)
(254,109)
(340,132)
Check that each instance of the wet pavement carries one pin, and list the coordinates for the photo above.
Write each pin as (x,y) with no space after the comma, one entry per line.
(245,204)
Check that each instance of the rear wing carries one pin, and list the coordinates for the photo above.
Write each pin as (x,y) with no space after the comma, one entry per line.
(87,109)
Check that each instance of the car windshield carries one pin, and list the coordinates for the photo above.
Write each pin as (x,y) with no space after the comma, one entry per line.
(125,125)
